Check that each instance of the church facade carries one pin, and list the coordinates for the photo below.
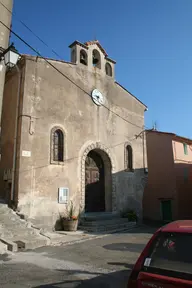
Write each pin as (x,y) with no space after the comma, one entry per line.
(76,138)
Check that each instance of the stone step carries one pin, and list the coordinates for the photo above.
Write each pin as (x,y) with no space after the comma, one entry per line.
(115,221)
(3,248)
(28,244)
(13,230)
(108,228)
(99,216)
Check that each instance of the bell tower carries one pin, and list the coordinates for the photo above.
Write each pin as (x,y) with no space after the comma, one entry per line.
(92,55)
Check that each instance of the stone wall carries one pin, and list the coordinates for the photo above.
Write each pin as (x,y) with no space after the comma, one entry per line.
(52,100)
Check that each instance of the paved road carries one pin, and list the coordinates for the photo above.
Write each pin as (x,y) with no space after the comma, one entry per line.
(103,262)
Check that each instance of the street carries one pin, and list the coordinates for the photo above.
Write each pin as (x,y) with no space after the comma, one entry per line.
(103,262)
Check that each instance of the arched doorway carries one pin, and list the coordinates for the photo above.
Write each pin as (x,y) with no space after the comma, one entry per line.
(109,176)
(94,183)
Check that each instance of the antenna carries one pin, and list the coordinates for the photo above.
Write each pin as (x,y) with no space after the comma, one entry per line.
(95,38)
(155,126)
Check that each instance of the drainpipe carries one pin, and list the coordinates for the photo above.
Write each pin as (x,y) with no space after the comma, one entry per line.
(15,135)
(143,140)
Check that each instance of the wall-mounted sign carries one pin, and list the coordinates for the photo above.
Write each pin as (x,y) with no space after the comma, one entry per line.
(26,153)
(63,195)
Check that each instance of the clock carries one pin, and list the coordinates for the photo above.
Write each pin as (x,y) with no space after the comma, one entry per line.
(97,97)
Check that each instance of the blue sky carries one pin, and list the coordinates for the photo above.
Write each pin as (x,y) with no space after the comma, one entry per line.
(150,40)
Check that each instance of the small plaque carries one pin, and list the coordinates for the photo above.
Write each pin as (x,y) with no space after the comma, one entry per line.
(26,153)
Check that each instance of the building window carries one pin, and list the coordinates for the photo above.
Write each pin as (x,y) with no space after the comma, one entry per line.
(129,158)
(83,57)
(108,69)
(96,59)
(185,148)
(57,153)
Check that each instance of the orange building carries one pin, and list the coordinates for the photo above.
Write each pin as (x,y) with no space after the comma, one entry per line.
(168,193)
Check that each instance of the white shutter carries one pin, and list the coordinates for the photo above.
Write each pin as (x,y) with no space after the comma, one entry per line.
(63,195)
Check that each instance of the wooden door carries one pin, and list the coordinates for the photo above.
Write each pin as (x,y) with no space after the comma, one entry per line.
(94,183)
(166,210)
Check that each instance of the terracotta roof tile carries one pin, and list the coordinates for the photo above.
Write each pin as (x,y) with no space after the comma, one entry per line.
(88,43)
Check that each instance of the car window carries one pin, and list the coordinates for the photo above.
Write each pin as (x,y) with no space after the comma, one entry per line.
(171,252)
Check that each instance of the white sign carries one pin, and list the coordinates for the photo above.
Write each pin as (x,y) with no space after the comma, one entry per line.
(147,262)
(63,195)
(26,153)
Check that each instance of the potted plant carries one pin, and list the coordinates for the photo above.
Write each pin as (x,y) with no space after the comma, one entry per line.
(70,219)
(132,216)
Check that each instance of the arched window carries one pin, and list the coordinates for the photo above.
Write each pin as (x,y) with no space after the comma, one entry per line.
(129,158)
(108,69)
(96,59)
(83,57)
(57,145)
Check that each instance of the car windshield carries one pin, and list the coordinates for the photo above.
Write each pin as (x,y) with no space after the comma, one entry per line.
(172,252)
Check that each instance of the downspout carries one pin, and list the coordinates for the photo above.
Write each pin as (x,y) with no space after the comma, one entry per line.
(143,140)
(15,137)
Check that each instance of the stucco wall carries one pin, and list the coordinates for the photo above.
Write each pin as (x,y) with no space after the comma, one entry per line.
(183,171)
(178,150)
(161,175)
(52,100)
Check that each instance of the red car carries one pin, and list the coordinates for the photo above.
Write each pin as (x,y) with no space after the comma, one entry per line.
(166,261)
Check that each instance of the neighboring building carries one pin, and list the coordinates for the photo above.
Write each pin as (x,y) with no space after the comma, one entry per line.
(5,17)
(67,141)
(168,194)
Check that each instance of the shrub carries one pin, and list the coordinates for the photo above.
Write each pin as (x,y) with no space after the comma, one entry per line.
(131,215)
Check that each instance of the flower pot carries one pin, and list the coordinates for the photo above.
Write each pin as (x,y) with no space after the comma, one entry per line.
(70,225)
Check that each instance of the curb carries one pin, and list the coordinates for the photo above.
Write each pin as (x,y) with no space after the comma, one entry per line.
(94,237)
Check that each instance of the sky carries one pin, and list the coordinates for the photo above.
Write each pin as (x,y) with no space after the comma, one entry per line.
(150,40)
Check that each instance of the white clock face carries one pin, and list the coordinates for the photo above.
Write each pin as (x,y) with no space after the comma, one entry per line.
(97,97)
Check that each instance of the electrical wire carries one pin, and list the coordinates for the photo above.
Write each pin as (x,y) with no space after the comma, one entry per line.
(60,72)
(29,29)
(68,160)
(42,41)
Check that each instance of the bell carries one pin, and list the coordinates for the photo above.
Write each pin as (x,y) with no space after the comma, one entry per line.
(83,60)
(95,60)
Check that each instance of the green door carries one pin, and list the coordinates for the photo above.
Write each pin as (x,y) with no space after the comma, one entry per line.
(166,211)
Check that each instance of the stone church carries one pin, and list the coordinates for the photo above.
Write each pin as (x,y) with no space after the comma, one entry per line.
(76,136)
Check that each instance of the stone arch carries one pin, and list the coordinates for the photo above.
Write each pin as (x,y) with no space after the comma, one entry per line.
(63,134)
(83,57)
(96,59)
(108,69)
(128,148)
(108,162)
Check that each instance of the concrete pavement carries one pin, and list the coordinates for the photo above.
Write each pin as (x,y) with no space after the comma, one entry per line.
(17,233)
(103,262)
